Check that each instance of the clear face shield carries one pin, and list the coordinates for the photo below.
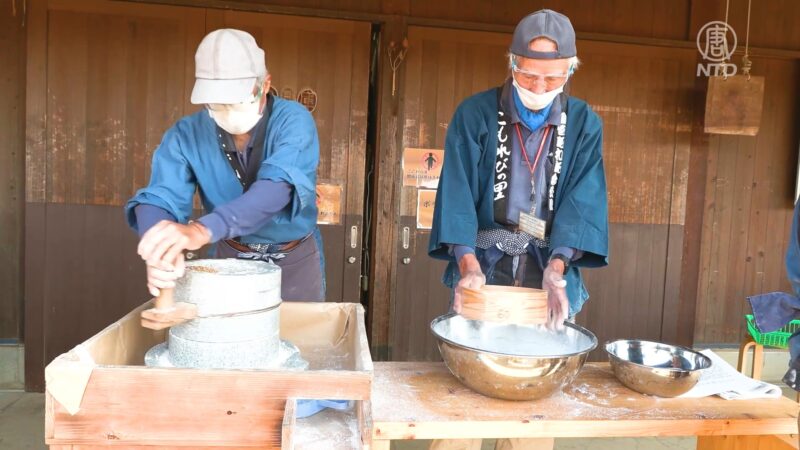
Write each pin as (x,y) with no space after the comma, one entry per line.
(526,83)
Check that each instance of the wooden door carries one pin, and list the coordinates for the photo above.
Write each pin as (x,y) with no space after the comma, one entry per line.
(331,59)
(105,80)
(442,68)
(644,97)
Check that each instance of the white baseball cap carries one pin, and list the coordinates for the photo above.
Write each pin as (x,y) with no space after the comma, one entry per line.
(227,65)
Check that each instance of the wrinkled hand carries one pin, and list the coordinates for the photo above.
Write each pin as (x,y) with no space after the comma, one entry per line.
(161,244)
(163,277)
(557,303)
(471,277)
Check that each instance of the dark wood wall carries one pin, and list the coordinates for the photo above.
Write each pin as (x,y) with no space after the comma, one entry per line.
(669,218)
(747,213)
(12,167)
(107,79)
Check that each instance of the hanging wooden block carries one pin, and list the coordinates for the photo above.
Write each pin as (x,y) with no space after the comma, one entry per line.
(734,105)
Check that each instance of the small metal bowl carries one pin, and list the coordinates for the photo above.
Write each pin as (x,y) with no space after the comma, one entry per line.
(510,361)
(654,368)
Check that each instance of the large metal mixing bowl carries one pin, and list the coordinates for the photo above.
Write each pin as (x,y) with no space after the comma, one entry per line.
(509,361)
(654,368)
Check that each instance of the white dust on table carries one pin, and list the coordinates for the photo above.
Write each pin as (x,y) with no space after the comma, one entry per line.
(582,399)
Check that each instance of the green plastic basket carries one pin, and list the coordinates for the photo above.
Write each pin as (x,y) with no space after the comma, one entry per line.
(777,339)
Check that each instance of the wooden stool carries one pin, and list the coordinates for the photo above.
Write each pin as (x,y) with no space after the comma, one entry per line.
(758,360)
(758,357)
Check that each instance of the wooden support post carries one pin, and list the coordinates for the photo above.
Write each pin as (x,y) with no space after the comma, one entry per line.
(289,422)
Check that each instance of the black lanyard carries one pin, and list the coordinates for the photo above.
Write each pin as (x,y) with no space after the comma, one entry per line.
(247,175)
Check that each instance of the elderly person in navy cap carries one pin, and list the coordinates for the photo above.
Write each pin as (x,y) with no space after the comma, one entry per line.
(252,158)
(522,193)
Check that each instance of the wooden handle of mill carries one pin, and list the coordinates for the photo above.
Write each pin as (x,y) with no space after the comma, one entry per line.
(165,299)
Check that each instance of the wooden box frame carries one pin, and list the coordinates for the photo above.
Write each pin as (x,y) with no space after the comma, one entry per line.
(127,404)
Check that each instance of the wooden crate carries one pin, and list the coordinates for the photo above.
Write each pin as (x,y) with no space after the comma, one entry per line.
(127,404)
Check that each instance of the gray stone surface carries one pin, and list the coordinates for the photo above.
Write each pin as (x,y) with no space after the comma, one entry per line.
(238,328)
(225,286)
(288,359)
(238,319)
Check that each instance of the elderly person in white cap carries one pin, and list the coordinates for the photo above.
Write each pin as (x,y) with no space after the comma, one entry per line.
(253,160)
(522,193)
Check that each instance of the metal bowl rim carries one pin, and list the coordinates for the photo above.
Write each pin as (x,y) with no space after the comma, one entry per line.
(578,328)
(670,369)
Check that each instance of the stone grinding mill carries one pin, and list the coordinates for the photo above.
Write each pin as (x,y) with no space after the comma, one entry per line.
(238,319)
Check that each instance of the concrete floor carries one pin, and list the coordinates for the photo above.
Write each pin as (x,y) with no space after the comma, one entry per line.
(21,420)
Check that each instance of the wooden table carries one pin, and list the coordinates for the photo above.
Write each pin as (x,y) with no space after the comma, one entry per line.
(424,401)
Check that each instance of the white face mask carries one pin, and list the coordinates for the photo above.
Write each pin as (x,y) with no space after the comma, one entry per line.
(534,101)
(236,119)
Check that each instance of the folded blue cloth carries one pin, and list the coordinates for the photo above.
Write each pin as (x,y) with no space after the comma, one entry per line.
(309,407)
(771,312)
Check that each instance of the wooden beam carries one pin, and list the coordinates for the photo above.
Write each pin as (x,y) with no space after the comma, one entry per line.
(387,194)
(35,173)
(289,424)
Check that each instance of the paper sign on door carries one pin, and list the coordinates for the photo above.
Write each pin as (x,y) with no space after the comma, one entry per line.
(422,167)
(426,199)
(329,204)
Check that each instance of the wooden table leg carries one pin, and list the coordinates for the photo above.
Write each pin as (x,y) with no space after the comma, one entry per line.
(380,444)
(747,442)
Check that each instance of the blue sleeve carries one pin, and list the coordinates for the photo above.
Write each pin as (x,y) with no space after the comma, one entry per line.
(455,217)
(294,156)
(568,252)
(793,253)
(459,251)
(581,219)
(149,215)
(172,182)
(249,212)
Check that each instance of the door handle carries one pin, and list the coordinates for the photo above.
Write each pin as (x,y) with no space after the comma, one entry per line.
(354,236)
(406,237)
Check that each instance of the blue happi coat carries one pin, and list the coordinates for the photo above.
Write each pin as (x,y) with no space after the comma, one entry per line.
(465,197)
(189,158)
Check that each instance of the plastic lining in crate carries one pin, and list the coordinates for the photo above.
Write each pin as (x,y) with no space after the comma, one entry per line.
(779,338)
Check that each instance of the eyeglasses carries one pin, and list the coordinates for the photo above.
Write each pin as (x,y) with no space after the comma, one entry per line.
(255,97)
(551,80)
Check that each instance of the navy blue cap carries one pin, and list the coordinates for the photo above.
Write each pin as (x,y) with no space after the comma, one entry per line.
(548,24)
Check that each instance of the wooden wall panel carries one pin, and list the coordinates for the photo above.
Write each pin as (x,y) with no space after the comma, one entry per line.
(640,94)
(331,57)
(106,80)
(117,79)
(747,215)
(644,18)
(110,78)
(772,23)
(12,168)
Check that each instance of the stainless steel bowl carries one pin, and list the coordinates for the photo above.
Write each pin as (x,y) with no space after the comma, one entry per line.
(654,368)
(509,361)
